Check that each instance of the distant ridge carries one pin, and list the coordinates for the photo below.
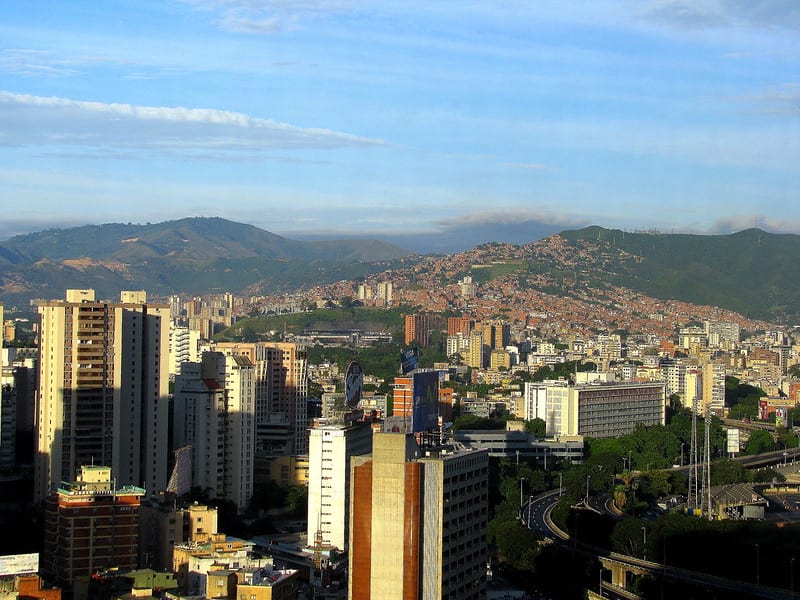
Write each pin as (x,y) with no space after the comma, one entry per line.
(195,238)
(753,272)
(194,255)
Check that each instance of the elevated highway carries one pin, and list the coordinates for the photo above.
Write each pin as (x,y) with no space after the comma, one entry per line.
(618,571)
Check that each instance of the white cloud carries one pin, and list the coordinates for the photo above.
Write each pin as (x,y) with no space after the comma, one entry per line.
(52,121)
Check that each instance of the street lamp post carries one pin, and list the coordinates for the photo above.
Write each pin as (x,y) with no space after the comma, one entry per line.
(644,545)
(682,445)
(530,501)
(560,477)
(521,479)
(791,578)
(588,477)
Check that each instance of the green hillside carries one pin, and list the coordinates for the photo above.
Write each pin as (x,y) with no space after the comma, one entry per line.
(752,271)
(194,239)
(194,255)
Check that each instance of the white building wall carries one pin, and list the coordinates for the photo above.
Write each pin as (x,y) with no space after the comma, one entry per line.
(330,449)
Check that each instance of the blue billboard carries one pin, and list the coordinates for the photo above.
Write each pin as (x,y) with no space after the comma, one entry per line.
(409,359)
(425,414)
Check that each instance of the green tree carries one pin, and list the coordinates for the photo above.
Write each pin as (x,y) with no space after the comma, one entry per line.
(537,427)
(760,441)
(515,542)
(628,537)
(725,471)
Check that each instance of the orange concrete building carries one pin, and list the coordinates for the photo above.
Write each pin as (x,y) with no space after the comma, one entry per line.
(418,522)
(417,329)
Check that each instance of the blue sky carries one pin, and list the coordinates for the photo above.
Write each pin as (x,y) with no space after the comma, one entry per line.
(358,117)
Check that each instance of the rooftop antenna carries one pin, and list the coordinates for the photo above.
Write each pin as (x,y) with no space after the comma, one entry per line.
(691,496)
(706,499)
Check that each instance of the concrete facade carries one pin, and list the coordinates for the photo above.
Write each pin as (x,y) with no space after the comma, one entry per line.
(418,522)
(330,449)
(103,390)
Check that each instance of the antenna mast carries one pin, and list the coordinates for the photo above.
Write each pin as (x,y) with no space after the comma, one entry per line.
(691,500)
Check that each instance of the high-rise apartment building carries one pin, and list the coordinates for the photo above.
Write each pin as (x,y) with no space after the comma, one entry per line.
(364,292)
(722,333)
(384,292)
(183,347)
(675,377)
(462,325)
(417,329)
(103,390)
(714,387)
(500,358)
(214,404)
(418,522)
(8,428)
(457,344)
(330,449)
(476,352)
(281,391)
(693,388)
(91,524)
(496,334)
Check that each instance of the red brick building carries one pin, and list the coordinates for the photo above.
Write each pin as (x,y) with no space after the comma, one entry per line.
(90,525)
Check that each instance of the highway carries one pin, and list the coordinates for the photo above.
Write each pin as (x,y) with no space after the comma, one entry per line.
(536,515)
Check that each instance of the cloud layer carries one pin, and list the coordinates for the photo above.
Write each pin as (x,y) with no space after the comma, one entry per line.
(52,121)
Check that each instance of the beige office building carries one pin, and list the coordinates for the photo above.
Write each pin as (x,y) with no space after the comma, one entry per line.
(103,390)
(418,522)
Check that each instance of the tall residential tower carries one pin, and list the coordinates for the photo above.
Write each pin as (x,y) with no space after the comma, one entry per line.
(103,390)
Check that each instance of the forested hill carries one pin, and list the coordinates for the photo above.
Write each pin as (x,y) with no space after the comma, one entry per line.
(752,272)
(194,255)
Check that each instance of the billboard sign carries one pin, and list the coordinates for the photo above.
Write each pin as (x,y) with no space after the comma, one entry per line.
(781,416)
(409,359)
(19,564)
(353,384)
(763,410)
(425,412)
(733,441)
(397,424)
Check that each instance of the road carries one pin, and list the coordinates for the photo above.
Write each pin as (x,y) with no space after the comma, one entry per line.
(534,513)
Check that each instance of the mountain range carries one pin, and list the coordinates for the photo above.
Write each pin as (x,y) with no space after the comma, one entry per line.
(193,255)
(752,272)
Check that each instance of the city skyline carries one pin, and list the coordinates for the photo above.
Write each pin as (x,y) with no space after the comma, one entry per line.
(346,118)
